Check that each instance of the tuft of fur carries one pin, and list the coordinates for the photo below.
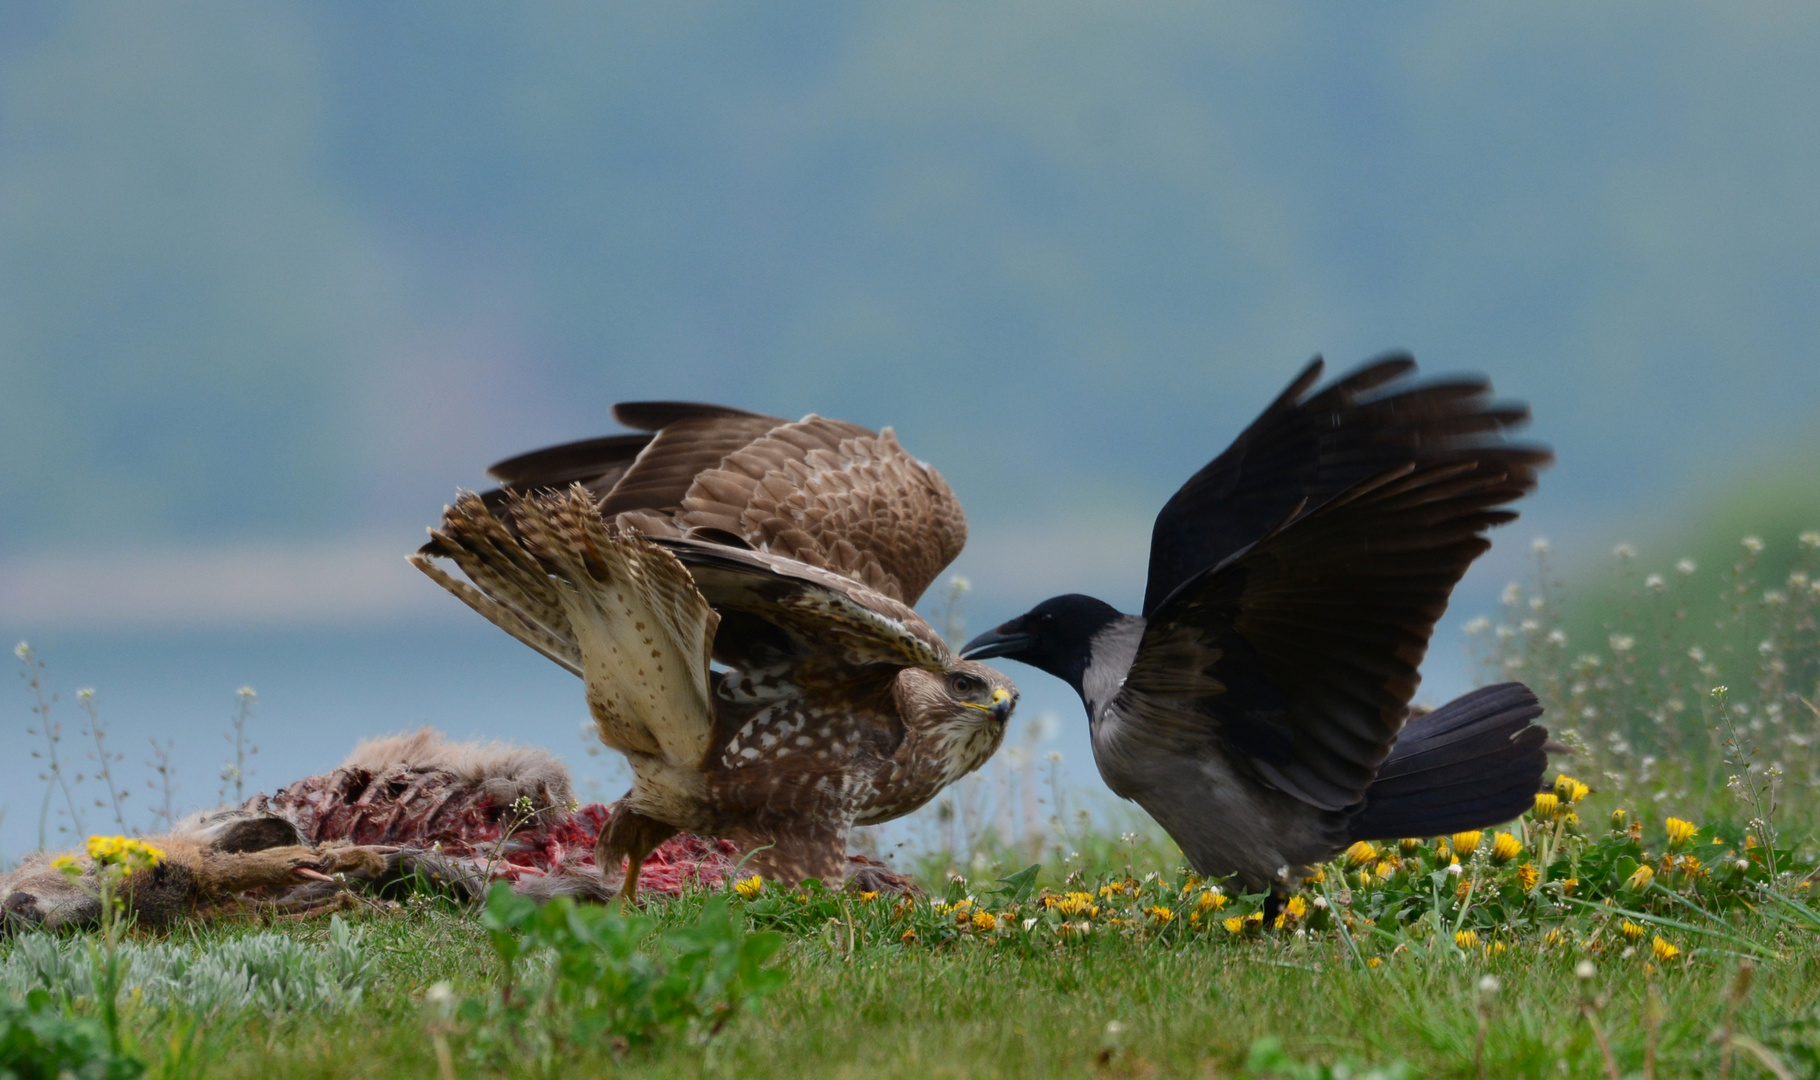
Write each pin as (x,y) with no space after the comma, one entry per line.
(505,771)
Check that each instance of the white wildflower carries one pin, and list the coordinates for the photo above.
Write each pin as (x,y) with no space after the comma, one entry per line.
(1810,538)
(1541,546)
(1478,625)
(1557,637)
(1751,544)
(1621,643)
(1656,582)
(1624,551)
(1686,566)
(1513,593)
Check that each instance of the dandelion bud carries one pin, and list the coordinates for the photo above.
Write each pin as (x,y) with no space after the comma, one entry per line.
(1641,879)
(1466,842)
(750,887)
(1548,804)
(1408,845)
(1360,853)
(1466,939)
(1618,819)
(1505,848)
(1632,932)
(1663,950)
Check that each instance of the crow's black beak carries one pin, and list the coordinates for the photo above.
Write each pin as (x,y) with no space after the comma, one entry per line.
(1006,640)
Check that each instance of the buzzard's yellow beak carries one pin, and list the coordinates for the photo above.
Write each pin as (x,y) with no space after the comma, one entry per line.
(1000,706)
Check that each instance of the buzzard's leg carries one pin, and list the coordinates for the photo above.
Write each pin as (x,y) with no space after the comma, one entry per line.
(630,836)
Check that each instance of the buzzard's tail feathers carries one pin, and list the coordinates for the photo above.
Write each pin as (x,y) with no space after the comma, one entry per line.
(1475,762)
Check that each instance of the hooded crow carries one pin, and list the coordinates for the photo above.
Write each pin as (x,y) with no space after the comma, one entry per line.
(1257,708)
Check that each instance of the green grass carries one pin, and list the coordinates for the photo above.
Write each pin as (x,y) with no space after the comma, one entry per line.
(880,988)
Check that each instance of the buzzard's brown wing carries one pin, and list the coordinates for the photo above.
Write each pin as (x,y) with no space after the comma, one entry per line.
(822,492)
(834,496)
(776,607)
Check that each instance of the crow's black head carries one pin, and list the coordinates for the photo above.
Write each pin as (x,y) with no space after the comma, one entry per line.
(1056,636)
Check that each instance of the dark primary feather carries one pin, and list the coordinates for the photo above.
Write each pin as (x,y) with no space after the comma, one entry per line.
(1311,448)
(1298,656)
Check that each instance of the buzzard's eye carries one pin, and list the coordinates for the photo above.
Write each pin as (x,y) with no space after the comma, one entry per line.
(964,685)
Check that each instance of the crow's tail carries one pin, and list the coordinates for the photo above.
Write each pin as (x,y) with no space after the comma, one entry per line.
(1475,762)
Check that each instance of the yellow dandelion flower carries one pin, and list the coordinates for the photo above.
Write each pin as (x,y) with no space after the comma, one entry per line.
(1282,920)
(1496,948)
(1074,903)
(1210,900)
(1234,924)
(1466,939)
(1385,870)
(1547,805)
(1505,848)
(1467,842)
(1690,866)
(1193,883)
(750,887)
(1296,908)
(1360,853)
(1568,885)
(1408,845)
(1365,879)
(1162,916)
(1375,962)
(1255,919)
(1680,832)
(67,864)
(1320,875)
(1554,937)
(1527,876)
(866,896)
(1569,790)
(1663,950)
(104,848)
(985,920)
(1116,888)
(1641,879)
(1632,932)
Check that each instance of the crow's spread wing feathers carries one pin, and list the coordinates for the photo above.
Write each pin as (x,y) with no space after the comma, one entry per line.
(1296,658)
(1308,448)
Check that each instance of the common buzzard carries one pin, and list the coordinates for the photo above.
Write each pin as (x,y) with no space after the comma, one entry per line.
(788,553)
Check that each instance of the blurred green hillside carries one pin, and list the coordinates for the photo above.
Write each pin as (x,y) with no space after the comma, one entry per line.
(295,269)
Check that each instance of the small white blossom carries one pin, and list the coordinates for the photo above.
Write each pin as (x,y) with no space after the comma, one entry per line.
(1513,592)
(22,650)
(1811,539)
(1775,597)
(1455,869)
(86,694)
(1529,626)
(1696,654)
(1621,643)
(1624,551)
(1686,566)
(1489,984)
(1478,625)
(1656,582)
(1557,637)
(1751,544)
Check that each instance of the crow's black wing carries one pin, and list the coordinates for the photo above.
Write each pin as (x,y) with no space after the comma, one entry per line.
(1295,659)
(1307,448)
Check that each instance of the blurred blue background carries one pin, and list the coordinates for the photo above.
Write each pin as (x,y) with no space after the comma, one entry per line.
(276,278)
